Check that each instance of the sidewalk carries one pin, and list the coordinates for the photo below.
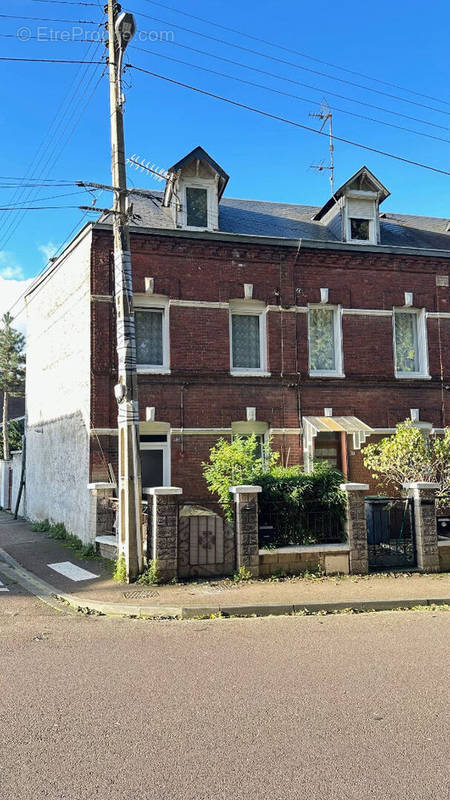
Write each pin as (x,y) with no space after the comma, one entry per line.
(26,556)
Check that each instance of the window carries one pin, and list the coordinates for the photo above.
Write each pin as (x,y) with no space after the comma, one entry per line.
(247,342)
(196,207)
(359,228)
(151,338)
(155,460)
(324,332)
(410,343)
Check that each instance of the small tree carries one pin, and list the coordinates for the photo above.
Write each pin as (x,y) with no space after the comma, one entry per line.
(407,457)
(234,463)
(12,371)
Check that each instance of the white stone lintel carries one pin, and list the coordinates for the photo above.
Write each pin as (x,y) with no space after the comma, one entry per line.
(421,485)
(245,489)
(102,485)
(354,487)
(161,490)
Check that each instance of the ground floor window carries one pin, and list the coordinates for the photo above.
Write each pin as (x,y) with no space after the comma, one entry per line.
(155,460)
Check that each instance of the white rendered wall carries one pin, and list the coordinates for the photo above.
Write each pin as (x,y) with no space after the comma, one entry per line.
(58,394)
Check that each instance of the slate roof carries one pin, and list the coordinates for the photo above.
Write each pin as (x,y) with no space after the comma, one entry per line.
(289,221)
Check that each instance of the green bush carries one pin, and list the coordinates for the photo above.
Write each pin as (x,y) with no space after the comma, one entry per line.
(303,508)
(150,575)
(120,570)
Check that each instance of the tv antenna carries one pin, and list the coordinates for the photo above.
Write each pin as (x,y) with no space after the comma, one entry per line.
(326,115)
(157,173)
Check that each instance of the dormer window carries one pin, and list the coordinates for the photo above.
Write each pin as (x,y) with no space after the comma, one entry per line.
(194,186)
(196,207)
(352,213)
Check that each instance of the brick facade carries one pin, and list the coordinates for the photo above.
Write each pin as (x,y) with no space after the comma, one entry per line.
(199,392)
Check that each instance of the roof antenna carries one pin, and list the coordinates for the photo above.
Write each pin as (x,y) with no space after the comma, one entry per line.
(326,116)
(158,173)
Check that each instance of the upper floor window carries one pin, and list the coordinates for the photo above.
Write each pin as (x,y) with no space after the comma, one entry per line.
(196,207)
(247,330)
(152,346)
(410,343)
(325,346)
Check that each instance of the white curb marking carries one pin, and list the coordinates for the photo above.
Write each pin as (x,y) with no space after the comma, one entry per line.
(72,572)
(3,588)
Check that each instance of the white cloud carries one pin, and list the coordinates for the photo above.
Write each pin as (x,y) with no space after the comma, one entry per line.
(10,291)
(9,268)
(48,250)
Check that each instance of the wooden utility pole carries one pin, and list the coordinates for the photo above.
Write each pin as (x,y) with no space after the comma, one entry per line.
(120,31)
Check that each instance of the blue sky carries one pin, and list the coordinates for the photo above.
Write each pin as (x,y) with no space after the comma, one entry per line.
(55,126)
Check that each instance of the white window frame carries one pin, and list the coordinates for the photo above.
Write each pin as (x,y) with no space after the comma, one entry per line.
(211,192)
(261,313)
(370,240)
(339,357)
(422,343)
(166,451)
(149,303)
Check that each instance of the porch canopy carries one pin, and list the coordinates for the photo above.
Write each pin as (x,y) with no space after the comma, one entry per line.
(314,425)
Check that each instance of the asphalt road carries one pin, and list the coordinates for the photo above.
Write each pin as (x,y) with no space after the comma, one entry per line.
(308,707)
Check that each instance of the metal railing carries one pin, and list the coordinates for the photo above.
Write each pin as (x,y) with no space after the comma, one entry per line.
(315,526)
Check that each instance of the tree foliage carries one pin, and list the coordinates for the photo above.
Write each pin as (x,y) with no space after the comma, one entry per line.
(408,456)
(233,464)
(12,370)
(15,433)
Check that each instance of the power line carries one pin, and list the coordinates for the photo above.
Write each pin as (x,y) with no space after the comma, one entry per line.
(308,100)
(289,121)
(36,208)
(260,71)
(68,3)
(47,19)
(72,103)
(51,60)
(292,63)
(41,200)
(290,50)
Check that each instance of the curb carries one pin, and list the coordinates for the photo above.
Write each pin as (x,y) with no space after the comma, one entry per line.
(54,598)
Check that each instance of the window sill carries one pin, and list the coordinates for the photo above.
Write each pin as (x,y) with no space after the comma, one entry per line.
(412,376)
(247,373)
(152,370)
(326,375)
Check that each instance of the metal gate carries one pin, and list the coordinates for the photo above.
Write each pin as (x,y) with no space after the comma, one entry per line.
(206,543)
(390,532)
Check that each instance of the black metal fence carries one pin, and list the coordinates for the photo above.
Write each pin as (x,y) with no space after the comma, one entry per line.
(390,532)
(277,528)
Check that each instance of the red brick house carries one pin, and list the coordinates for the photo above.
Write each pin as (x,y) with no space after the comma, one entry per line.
(314,326)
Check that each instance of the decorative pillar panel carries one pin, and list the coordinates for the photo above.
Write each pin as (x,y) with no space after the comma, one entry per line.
(247,538)
(356,526)
(425,527)
(165,529)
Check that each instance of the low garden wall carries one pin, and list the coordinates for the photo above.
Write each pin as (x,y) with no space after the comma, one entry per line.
(332,559)
(444,555)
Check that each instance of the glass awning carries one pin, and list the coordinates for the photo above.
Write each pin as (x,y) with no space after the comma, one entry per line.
(351,425)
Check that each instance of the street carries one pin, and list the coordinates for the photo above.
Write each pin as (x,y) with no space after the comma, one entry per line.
(342,706)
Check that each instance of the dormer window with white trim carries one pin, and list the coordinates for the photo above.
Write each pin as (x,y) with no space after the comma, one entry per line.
(351,214)
(194,186)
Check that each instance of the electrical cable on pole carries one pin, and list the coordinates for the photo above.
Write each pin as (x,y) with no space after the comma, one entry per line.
(121,28)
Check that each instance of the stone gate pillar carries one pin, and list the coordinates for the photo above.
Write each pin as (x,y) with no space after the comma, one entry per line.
(247,538)
(164,520)
(424,497)
(356,526)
